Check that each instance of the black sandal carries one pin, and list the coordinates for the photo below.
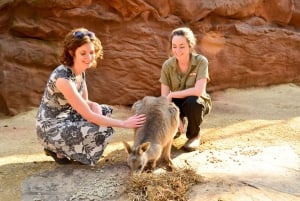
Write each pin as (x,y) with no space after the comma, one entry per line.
(57,160)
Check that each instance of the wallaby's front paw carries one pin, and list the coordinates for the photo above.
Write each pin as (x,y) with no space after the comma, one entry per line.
(149,170)
(170,166)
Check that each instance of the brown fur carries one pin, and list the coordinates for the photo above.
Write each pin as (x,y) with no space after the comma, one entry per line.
(154,139)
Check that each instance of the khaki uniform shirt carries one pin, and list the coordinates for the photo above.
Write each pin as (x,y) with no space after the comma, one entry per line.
(176,81)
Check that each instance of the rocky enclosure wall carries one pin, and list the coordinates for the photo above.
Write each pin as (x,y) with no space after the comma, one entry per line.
(247,42)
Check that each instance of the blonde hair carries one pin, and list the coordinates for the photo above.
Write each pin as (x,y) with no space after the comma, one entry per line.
(187,33)
(76,38)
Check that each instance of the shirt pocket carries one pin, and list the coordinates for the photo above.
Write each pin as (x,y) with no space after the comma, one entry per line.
(191,80)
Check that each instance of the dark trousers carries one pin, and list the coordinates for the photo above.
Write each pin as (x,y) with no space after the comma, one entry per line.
(195,112)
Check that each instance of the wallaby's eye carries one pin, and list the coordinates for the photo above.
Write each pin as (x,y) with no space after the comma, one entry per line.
(140,167)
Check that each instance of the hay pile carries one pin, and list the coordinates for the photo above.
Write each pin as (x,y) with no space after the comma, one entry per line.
(162,187)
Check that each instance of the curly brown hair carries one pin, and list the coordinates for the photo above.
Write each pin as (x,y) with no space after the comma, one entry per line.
(72,41)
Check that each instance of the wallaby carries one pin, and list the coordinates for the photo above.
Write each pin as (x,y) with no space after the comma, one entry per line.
(154,139)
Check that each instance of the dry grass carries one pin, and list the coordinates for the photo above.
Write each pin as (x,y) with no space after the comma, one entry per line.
(162,187)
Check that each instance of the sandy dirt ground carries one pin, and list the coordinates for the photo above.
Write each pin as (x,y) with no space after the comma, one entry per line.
(250,149)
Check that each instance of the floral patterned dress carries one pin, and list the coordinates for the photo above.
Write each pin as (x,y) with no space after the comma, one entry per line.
(62,130)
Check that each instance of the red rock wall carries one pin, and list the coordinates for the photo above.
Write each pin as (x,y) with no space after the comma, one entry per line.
(247,42)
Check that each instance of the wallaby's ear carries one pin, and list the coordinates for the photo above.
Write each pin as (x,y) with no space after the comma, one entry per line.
(143,147)
(127,147)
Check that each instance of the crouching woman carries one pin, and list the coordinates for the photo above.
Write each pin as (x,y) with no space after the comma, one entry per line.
(69,125)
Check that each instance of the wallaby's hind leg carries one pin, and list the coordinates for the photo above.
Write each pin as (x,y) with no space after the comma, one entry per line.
(153,164)
(167,156)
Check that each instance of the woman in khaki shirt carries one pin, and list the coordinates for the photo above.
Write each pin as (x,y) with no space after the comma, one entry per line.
(184,77)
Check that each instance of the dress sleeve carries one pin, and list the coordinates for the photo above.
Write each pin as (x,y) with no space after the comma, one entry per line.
(65,73)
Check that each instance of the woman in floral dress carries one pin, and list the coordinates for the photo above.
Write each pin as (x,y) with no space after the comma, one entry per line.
(69,125)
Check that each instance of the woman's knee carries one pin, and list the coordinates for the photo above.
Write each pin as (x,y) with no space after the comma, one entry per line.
(193,105)
(102,109)
(106,110)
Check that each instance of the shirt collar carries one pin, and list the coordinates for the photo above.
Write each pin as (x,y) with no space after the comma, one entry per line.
(193,59)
